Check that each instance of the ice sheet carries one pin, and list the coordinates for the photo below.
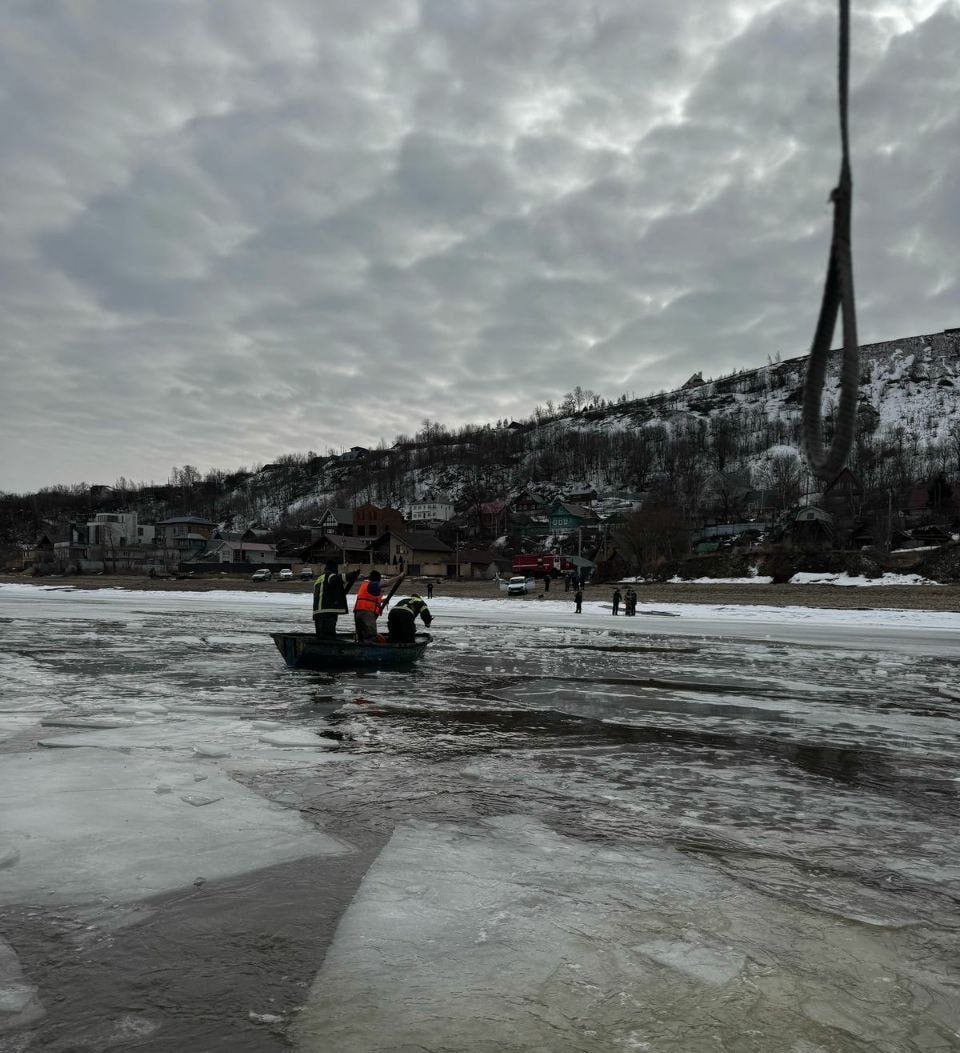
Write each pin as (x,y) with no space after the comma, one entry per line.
(19,1001)
(515,938)
(89,825)
(84,603)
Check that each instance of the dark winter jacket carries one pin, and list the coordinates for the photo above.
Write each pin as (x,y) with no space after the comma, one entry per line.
(330,592)
(414,605)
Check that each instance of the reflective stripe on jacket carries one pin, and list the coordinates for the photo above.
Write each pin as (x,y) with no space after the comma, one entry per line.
(414,605)
(330,592)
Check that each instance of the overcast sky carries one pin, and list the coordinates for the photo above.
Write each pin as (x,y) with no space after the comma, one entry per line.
(236,229)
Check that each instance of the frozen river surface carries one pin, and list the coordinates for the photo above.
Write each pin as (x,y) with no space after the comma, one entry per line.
(703,829)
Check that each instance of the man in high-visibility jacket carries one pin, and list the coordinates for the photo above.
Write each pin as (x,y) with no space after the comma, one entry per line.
(401,621)
(368,606)
(330,599)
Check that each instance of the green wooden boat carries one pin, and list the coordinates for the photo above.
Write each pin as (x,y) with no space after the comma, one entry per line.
(306,651)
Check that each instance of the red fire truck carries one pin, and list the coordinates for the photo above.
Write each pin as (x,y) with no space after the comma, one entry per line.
(538,565)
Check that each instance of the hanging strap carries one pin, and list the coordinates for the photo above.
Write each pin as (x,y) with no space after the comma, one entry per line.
(837,295)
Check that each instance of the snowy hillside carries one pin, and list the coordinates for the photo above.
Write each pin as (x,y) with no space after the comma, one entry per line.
(744,426)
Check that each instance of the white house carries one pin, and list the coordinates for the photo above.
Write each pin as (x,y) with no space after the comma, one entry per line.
(421,511)
(118,528)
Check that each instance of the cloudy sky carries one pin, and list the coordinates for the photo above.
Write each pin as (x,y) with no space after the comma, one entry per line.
(236,228)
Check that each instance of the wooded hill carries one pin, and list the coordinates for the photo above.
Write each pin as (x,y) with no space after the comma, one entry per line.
(702,449)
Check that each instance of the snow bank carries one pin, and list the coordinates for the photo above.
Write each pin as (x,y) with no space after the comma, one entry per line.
(706,617)
(817,578)
(754,579)
(800,578)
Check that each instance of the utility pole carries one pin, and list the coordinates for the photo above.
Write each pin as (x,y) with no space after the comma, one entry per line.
(889,520)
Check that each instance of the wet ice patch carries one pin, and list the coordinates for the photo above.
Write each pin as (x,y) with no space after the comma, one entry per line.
(93,723)
(298,737)
(211,751)
(198,800)
(699,961)
(19,1001)
(89,825)
(508,937)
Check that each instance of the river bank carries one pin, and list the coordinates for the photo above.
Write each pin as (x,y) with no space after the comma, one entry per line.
(830,597)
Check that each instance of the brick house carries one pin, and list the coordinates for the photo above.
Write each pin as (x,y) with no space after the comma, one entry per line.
(371,520)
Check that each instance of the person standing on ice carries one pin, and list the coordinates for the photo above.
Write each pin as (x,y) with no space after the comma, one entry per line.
(367,607)
(330,599)
(402,619)
(578,600)
(616,601)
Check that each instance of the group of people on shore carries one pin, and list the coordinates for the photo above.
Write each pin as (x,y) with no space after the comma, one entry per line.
(628,599)
(330,601)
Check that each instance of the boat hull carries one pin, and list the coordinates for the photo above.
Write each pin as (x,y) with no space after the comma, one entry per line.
(306,651)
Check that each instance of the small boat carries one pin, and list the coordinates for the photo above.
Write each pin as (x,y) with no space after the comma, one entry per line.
(306,651)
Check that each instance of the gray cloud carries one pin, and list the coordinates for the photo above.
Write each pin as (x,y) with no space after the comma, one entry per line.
(235,230)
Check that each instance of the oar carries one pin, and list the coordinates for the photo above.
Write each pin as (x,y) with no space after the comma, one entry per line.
(396,585)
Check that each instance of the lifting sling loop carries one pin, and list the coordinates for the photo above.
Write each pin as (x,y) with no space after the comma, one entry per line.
(837,296)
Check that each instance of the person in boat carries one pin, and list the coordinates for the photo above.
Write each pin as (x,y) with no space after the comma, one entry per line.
(368,607)
(402,619)
(330,599)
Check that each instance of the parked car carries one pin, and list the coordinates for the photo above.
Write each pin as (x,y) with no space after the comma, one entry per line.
(306,573)
(286,574)
(518,585)
(263,574)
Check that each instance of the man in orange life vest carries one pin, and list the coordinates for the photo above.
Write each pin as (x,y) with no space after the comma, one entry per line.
(368,606)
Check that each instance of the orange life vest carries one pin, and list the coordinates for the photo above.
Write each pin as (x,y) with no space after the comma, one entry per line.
(366,602)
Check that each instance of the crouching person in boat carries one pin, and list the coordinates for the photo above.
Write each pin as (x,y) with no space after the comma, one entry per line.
(330,599)
(401,621)
(368,606)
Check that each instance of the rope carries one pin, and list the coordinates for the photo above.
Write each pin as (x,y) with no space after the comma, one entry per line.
(837,294)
